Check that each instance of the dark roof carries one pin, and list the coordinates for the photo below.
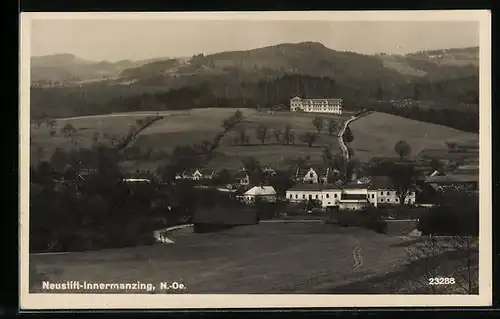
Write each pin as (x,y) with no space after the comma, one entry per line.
(206,171)
(240,174)
(225,216)
(450,179)
(381,182)
(355,185)
(353,196)
(319,169)
(203,171)
(313,187)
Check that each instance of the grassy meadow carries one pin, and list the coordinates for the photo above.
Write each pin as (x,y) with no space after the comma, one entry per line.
(374,135)
(264,258)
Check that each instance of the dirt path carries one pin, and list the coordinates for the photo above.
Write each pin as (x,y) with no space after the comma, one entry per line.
(340,135)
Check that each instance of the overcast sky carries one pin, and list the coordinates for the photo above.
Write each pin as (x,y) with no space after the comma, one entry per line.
(114,40)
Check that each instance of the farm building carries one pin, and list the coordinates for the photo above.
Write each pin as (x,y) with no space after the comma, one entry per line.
(466,182)
(314,174)
(242,178)
(197,174)
(353,201)
(332,106)
(262,193)
(378,190)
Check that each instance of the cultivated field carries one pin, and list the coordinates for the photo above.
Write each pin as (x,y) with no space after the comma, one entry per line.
(263,258)
(377,133)
(374,135)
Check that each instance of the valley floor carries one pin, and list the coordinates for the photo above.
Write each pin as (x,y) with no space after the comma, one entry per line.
(264,258)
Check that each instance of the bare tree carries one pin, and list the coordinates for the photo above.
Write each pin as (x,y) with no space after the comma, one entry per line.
(261,133)
(309,138)
(204,146)
(238,116)
(332,126)
(402,148)
(438,265)
(68,130)
(243,136)
(348,137)
(292,137)
(404,178)
(288,134)
(318,123)
(277,136)
(95,137)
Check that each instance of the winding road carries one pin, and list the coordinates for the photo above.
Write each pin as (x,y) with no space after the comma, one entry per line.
(340,135)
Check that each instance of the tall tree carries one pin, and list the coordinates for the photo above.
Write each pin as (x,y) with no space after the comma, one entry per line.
(253,168)
(277,136)
(318,123)
(238,116)
(243,136)
(261,133)
(402,148)
(348,137)
(404,179)
(309,138)
(287,134)
(332,126)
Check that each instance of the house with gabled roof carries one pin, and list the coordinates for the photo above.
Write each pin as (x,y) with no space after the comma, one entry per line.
(262,193)
(197,174)
(373,191)
(314,174)
(241,178)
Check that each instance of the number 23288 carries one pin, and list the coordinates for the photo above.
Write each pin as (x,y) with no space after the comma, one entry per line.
(442,281)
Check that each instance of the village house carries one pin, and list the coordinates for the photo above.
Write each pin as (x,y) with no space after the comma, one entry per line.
(242,178)
(353,195)
(260,193)
(314,174)
(464,182)
(197,174)
(268,171)
(332,106)
(308,192)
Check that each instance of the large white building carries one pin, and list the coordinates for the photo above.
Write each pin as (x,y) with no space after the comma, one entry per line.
(332,106)
(352,196)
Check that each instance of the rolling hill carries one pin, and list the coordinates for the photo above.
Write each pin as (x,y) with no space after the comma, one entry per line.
(67,68)
(374,135)
(436,64)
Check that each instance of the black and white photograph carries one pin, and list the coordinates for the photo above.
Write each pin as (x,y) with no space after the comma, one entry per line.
(255,159)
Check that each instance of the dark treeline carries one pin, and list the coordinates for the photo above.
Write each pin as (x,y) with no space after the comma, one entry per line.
(234,91)
(100,211)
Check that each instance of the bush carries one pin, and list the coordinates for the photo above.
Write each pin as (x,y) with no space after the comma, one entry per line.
(457,214)
(369,218)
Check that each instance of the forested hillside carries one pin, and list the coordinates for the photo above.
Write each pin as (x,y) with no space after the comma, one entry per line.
(270,76)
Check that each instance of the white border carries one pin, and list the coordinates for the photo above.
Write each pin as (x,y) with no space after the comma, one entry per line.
(34,301)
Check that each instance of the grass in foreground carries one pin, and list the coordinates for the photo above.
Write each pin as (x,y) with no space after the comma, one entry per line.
(265,258)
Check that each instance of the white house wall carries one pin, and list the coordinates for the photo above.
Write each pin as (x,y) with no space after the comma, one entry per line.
(331,197)
(389,197)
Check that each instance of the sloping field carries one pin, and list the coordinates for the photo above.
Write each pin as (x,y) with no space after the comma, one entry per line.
(86,128)
(377,133)
(264,258)
(374,135)
(204,124)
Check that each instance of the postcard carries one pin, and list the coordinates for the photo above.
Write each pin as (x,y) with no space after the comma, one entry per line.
(214,160)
